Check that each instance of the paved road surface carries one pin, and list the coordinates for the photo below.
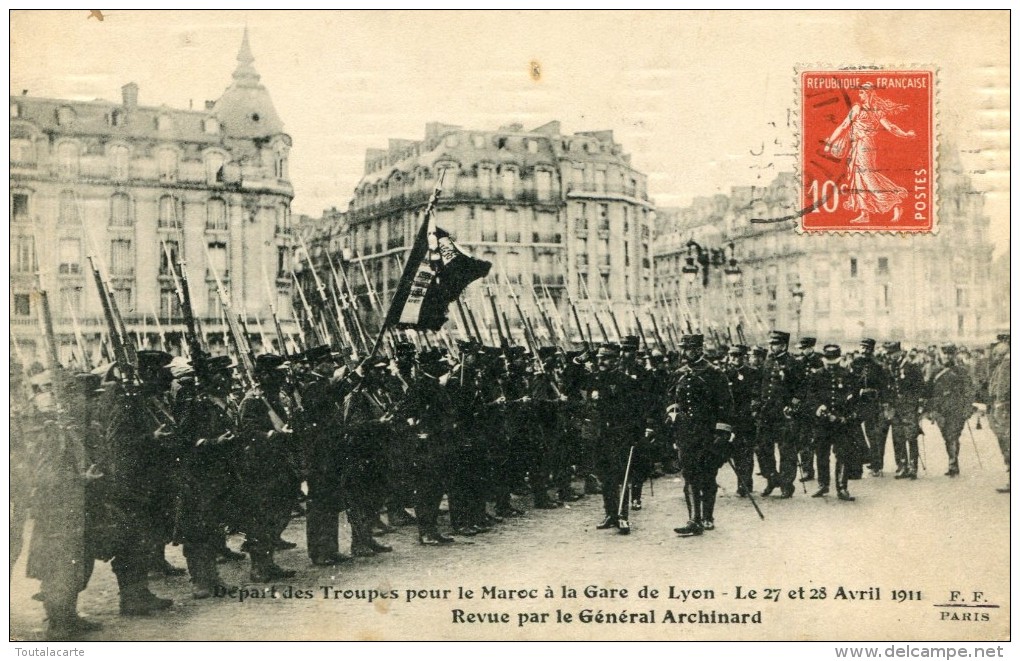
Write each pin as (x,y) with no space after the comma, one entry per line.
(930,536)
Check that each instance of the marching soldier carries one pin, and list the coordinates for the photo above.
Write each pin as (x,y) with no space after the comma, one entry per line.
(777,406)
(700,412)
(745,386)
(832,392)
(874,384)
(951,404)
(901,410)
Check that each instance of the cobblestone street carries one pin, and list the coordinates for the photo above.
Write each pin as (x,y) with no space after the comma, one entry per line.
(926,538)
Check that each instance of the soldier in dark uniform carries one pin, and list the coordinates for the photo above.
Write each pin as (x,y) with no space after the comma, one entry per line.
(431,412)
(269,470)
(210,484)
(366,414)
(700,411)
(807,362)
(318,425)
(777,406)
(138,448)
(576,374)
(998,393)
(901,409)
(951,404)
(874,381)
(647,411)
(745,387)
(757,356)
(561,453)
(614,398)
(61,553)
(831,401)
(404,442)
(544,433)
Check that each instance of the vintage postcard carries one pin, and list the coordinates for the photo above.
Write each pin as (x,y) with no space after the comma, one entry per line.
(511,326)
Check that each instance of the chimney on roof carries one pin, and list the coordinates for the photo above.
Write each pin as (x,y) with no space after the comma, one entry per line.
(209,105)
(130,94)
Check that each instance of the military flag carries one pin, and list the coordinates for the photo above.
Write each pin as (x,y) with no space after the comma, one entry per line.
(434,276)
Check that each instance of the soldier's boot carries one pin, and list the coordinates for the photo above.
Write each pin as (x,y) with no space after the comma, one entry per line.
(205,581)
(195,570)
(708,510)
(635,496)
(911,472)
(542,500)
(160,565)
(137,599)
(568,495)
(398,516)
(264,568)
(63,621)
(771,485)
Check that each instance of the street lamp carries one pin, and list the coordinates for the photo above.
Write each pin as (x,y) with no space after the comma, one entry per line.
(797,295)
(703,259)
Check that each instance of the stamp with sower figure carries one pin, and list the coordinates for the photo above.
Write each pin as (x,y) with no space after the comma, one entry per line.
(868,150)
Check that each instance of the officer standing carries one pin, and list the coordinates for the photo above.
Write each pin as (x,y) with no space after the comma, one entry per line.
(807,362)
(832,392)
(745,387)
(901,410)
(777,406)
(951,403)
(701,411)
(874,384)
(614,396)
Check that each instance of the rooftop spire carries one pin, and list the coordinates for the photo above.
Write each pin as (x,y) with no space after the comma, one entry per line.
(245,73)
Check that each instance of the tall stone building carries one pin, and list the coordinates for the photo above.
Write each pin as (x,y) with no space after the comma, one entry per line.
(919,288)
(119,181)
(552,212)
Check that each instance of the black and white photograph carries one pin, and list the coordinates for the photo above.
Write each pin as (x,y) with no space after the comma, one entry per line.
(517,325)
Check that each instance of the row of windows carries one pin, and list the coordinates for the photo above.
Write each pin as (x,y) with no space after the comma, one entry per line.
(67,116)
(169,211)
(122,258)
(169,305)
(68,158)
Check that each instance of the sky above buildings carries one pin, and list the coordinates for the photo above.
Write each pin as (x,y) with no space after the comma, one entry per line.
(703,101)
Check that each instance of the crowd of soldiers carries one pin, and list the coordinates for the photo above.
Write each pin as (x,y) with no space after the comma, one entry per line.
(116,464)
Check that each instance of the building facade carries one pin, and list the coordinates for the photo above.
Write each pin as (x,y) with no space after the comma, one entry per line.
(918,288)
(126,184)
(554,213)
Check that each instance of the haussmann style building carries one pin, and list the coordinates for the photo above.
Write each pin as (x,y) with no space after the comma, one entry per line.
(713,264)
(127,183)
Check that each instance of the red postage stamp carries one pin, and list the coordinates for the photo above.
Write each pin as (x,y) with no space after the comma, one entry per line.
(867,150)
